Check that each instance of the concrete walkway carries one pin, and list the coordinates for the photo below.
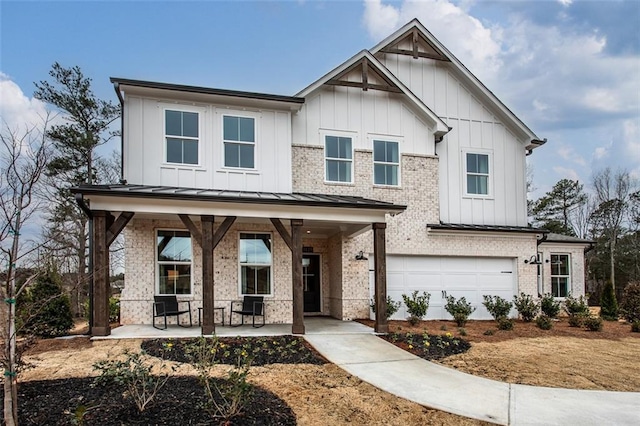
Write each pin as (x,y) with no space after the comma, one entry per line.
(398,372)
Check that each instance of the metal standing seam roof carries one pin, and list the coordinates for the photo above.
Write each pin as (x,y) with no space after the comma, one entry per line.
(487,228)
(559,238)
(217,195)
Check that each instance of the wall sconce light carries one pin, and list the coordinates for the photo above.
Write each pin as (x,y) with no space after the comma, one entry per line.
(533,260)
(360,256)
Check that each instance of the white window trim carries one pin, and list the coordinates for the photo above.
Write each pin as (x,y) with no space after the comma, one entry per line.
(158,263)
(568,276)
(254,143)
(200,138)
(340,134)
(271,282)
(489,175)
(382,138)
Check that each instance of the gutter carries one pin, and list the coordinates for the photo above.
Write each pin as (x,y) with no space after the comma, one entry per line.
(116,86)
(535,143)
(541,240)
(83,205)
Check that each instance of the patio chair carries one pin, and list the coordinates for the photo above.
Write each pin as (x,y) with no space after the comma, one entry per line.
(251,305)
(167,306)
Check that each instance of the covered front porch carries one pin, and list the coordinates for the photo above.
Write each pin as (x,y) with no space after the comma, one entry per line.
(207,216)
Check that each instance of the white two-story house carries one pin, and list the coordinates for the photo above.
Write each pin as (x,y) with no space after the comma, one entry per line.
(396,171)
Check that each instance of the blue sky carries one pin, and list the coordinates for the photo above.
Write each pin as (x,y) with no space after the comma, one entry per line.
(569,69)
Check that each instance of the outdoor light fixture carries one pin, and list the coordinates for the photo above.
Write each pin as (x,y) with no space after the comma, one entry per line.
(360,256)
(533,260)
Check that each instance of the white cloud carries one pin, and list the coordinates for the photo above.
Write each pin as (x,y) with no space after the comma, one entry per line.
(565,3)
(566,173)
(570,154)
(17,110)
(601,152)
(631,134)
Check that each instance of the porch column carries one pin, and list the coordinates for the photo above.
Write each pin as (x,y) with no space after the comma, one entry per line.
(100,302)
(208,323)
(380,267)
(296,278)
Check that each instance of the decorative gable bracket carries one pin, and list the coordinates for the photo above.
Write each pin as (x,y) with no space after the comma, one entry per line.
(413,43)
(370,78)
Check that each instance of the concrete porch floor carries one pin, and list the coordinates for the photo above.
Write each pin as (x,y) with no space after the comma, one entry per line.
(313,325)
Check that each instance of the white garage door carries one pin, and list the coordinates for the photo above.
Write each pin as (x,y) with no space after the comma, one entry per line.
(471,277)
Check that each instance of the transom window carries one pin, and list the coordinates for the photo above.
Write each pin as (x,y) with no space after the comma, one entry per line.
(338,153)
(182,136)
(239,134)
(255,263)
(560,275)
(386,162)
(174,262)
(477,173)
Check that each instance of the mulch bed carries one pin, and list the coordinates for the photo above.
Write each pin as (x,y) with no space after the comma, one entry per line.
(262,350)
(428,346)
(180,402)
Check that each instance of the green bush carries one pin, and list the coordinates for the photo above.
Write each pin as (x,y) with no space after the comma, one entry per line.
(576,306)
(459,309)
(608,303)
(635,326)
(550,306)
(392,307)
(505,324)
(630,306)
(593,323)
(416,306)
(497,306)
(576,320)
(44,309)
(114,309)
(544,322)
(527,308)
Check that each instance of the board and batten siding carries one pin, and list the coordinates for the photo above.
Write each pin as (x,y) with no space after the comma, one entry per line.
(144,148)
(474,127)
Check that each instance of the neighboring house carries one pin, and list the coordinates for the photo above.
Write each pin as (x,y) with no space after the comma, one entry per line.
(396,171)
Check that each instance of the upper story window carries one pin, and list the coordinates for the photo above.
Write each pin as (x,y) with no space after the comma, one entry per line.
(560,275)
(477,174)
(182,136)
(386,162)
(174,262)
(255,263)
(239,134)
(338,152)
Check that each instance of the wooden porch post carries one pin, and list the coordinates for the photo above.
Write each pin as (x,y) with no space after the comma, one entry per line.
(380,266)
(208,322)
(100,302)
(296,278)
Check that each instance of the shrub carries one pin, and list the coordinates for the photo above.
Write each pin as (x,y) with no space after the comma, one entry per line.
(392,307)
(497,306)
(416,306)
(463,332)
(630,306)
(114,309)
(550,306)
(459,309)
(135,375)
(576,320)
(489,332)
(45,310)
(527,308)
(635,326)
(544,322)
(608,303)
(505,324)
(593,323)
(576,306)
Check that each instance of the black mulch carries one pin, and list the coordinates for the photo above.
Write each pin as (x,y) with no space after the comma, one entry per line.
(180,402)
(428,346)
(263,350)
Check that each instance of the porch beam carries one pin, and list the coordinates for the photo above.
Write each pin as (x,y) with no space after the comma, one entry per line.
(208,323)
(296,279)
(283,232)
(100,302)
(222,230)
(193,229)
(117,226)
(380,272)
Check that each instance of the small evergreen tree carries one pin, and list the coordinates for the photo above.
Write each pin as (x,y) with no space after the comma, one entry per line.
(630,306)
(46,309)
(608,303)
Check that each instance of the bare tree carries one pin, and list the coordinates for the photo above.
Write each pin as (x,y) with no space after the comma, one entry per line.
(23,159)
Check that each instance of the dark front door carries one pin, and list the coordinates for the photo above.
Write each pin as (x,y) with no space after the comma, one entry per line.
(311,282)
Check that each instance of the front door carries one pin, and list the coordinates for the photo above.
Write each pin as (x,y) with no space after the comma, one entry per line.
(311,282)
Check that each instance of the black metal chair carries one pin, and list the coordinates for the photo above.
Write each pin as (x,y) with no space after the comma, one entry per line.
(167,306)
(251,305)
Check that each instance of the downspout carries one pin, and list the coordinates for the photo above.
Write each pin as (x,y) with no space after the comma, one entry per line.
(85,208)
(538,242)
(116,87)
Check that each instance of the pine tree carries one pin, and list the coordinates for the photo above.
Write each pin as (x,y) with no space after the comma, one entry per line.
(608,303)
(553,210)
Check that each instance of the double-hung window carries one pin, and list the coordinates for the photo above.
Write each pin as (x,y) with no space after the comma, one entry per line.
(386,163)
(255,263)
(182,136)
(174,262)
(477,173)
(239,134)
(560,275)
(338,152)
